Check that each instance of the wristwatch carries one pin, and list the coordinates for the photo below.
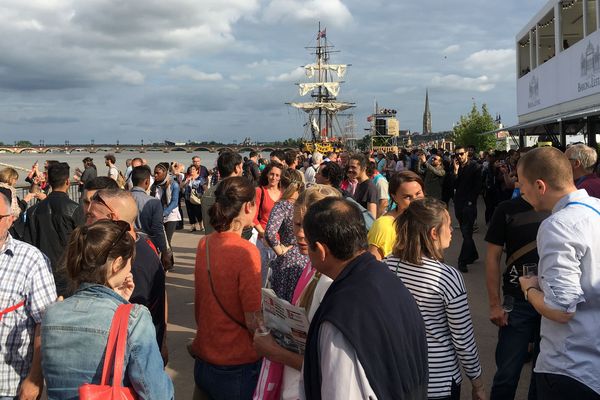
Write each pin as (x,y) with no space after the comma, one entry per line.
(527,292)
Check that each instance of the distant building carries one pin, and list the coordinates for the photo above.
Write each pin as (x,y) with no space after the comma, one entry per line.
(426,115)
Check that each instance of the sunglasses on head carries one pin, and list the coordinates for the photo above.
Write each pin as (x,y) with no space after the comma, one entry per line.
(96,197)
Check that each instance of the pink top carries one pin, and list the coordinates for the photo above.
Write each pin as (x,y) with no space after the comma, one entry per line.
(265,210)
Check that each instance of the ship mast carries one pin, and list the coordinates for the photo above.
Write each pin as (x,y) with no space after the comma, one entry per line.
(323,90)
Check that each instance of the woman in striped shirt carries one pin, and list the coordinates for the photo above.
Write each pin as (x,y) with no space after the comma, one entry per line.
(424,232)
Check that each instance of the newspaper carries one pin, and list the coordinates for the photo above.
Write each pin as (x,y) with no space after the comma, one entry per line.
(288,324)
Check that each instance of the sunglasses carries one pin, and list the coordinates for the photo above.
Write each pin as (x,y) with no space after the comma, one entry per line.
(97,198)
(460,154)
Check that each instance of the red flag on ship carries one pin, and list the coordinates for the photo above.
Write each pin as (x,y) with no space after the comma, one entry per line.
(322,34)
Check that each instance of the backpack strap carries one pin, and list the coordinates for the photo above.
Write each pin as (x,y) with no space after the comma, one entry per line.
(521,252)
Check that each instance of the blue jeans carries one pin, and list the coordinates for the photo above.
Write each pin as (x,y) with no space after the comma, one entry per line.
(512,348)
(234,382)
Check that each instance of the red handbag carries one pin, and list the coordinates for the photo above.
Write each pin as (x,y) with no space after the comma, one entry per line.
(114,357)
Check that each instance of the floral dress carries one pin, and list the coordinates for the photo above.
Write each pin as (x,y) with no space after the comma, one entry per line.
(287,268)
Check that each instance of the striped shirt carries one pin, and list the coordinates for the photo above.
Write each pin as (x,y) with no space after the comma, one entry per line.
(440,293)
(25,275)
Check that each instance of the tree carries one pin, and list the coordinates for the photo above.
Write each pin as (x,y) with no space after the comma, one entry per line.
(24,143)
(469,130)
(364,144)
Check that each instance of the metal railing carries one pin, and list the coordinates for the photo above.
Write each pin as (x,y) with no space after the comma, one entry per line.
(73,193)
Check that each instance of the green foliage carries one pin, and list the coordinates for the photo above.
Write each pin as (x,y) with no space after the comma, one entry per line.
(24,143)
(469,129)
(364,144)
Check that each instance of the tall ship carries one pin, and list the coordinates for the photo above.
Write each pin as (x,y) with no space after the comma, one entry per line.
(328,128)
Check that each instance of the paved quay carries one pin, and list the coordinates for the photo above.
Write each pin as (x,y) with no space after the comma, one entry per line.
(181,329)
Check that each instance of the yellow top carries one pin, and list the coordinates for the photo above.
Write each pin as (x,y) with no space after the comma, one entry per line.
(383,234)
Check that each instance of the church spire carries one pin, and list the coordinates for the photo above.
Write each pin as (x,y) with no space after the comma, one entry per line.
(426,115)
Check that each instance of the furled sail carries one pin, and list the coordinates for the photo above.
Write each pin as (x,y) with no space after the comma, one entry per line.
(339,69)
(329,106)
(332,87)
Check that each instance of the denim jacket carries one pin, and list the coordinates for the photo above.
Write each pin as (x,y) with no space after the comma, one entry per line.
(74,337)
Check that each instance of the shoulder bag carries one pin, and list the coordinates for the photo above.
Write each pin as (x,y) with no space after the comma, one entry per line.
(212,288)
(113,360)
(195,198)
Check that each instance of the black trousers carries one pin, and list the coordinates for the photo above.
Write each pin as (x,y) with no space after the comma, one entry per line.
(170,230)
(194,212)
(561,387)
(467,215)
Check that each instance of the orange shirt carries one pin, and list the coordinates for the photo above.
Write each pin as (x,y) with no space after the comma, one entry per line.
(235,271)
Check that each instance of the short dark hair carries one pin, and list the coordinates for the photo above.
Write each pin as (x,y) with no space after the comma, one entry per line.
(253,154)
(280,154)
(332,172)
(291,156)
(338,224)
(101,182)
(230,196)
(58,174)
(140,174)
(227,162)
(362,160)
(111,158)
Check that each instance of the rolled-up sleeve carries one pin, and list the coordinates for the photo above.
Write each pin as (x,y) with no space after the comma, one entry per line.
(560,250)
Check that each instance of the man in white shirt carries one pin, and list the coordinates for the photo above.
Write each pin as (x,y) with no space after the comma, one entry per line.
(109,161)
(566,291)
(311,172)
(344,355)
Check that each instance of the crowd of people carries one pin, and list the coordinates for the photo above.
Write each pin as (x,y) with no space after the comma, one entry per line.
(356,240)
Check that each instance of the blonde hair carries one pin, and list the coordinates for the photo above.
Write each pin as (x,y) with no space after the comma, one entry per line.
(8,174)
(292,182)
(307,198)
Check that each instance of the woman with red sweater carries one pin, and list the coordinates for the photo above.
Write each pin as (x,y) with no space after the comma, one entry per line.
(228,295)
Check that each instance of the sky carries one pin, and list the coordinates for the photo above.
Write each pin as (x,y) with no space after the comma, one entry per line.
(179,70)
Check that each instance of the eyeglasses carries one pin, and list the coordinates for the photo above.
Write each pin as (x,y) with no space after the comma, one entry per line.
(96,197)
(460,154)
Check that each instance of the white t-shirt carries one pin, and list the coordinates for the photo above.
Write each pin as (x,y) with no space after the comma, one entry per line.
(113,172)
(174,215)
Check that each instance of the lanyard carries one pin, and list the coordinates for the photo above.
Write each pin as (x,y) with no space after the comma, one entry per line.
(583,204)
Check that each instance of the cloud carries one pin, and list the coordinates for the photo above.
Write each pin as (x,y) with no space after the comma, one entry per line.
(498,61)
(240,77)
(185,71)
(451,49)
(49,120)
(72,44)
(126,75)
(405,89)
(479,84)
(293,75)
(256,64)
(332,12)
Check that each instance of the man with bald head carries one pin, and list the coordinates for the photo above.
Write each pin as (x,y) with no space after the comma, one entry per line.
(147,270)
(567,292)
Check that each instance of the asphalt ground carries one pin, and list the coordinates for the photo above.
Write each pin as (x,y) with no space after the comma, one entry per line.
(181,328)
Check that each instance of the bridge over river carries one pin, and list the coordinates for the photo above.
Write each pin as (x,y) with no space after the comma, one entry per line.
(121,148)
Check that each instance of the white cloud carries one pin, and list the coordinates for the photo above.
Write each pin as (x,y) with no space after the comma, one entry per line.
(499,61)
(479,84)
(126,75)
(185,71)
(451,49)
(256,64)
(240,77)
(332,12)
(295,74)
(70,43)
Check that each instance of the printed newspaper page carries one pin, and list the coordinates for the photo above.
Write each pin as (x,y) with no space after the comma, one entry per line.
(288,323)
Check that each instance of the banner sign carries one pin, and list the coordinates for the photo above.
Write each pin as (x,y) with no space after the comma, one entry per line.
(574,74)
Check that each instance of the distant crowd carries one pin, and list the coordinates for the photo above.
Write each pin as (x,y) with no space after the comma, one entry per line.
(354,240)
